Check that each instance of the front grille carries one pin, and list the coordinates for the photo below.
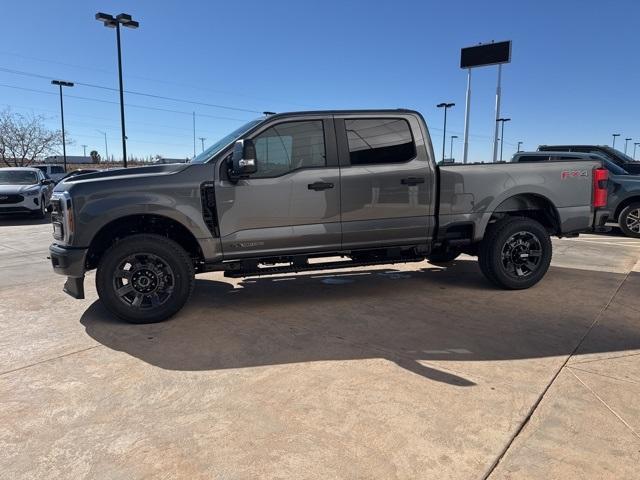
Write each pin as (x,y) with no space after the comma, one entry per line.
(14,210)
(8,199)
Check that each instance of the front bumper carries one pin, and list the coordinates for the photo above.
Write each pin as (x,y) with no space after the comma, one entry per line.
(69,262)
(29,204)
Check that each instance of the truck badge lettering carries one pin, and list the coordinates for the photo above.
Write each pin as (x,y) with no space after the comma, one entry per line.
(573,174)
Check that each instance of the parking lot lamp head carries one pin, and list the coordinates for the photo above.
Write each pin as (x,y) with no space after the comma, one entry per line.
(614,135)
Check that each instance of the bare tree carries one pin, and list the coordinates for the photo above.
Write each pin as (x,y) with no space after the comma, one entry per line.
(24,139)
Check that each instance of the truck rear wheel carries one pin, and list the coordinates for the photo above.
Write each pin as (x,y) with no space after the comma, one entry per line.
(629,220)
(515,253)
(145,278)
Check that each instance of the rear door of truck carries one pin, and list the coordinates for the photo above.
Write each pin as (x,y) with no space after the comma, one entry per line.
(387,180)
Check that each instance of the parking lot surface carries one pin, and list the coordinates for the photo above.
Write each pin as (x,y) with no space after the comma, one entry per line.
(406,371)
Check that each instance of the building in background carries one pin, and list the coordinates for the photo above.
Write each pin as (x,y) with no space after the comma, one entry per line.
(71,159)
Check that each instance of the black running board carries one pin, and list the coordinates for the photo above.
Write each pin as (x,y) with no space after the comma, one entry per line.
(317,266)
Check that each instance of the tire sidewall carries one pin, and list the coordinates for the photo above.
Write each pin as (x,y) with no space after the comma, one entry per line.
(501,275)
(168,251)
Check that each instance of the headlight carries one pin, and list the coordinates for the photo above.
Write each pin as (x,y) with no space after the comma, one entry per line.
(62,217)
(31,193)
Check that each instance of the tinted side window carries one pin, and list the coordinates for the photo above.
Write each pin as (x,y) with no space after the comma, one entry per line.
(382,140)
(41,168)
(289,146)
(57,169)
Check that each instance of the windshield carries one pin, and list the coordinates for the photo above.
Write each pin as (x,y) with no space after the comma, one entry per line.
(214,149)
(17,177)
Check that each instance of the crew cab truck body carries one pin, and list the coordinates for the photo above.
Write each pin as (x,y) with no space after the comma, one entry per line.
(288,188)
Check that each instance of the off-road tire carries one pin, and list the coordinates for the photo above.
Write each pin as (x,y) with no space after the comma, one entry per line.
(500,245)
(166,262)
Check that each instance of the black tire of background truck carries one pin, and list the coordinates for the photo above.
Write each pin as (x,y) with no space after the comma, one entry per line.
(165,259)
(626,222)
(504,237)
(439,256)
(42,212)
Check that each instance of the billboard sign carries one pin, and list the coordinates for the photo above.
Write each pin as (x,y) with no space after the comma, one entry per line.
(487,54)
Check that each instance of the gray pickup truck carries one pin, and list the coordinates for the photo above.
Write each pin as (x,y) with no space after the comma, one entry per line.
(311,191)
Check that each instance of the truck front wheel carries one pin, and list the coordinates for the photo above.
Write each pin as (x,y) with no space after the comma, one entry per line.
(145,278)
(515,253)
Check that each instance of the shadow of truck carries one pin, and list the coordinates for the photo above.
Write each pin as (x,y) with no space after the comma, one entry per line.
(413,318)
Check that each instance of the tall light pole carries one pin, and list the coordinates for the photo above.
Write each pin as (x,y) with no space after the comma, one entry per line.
(110,21)
(444,133)
(614,135)
(202,139)
(84,150)
(60,84)
(106,147)
(503,121)
(626,140)
(635,144)
(451,148)
(519,143)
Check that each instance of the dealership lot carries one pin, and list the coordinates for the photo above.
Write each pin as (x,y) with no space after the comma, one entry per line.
(402,371)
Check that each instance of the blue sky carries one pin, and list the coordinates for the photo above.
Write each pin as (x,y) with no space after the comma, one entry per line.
(574,74)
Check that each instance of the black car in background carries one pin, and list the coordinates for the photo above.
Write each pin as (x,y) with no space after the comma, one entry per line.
(616,156)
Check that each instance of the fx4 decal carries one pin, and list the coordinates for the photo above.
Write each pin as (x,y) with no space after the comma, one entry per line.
(573,173)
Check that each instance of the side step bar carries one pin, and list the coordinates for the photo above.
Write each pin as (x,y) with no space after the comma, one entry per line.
(303,267)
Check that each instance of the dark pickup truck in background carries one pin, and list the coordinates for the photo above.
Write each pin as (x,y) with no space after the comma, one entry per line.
(311,191)
(623,200)
(616,156)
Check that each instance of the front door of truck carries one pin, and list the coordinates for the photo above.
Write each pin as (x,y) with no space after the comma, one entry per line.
(387,181)
(292,203)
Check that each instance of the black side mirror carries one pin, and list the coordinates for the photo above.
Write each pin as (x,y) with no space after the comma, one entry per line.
(243,159)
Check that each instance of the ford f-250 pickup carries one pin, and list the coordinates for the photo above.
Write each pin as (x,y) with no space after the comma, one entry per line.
(340,188)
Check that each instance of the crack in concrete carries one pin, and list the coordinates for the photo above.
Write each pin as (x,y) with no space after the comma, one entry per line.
(24,367)
(605,404)
(536,404)
(571,367)
(602,359)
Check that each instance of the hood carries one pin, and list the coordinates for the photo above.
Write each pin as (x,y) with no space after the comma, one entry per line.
(123,173)
(16,189)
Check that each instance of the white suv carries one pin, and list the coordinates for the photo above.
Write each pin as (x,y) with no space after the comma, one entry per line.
(24,190)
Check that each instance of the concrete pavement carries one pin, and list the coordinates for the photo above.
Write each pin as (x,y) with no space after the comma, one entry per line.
(411,371)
